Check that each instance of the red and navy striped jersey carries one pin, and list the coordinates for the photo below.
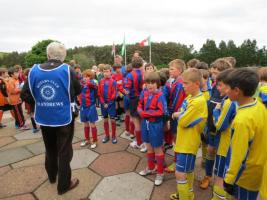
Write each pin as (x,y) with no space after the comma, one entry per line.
(134,83)
(107,90)
(175,95)
(118,77)
(152,105)
(88,94)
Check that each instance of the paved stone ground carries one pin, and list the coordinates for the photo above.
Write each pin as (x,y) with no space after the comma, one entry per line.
(107,172)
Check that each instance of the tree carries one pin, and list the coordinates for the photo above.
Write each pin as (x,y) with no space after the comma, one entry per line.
(86,61)
(37,53)
(209,52)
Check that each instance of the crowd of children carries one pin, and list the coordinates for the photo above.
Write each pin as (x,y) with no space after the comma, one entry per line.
(185,107)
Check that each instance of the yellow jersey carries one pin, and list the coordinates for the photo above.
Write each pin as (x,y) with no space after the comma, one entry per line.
(191,124)
(262,94)
(246,156)
(206,94)
(263,189)
(223,125)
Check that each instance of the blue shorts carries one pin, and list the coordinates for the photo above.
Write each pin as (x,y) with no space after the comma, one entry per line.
(109,111)
(152,132)
(213,140)
(185,162)
(173,126)
(220,169)
(242,193)
(126,102)
(88,114)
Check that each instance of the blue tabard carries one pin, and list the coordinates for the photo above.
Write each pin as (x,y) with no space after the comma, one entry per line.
(51,91)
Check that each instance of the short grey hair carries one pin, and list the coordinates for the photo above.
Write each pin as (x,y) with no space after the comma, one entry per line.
(57,51)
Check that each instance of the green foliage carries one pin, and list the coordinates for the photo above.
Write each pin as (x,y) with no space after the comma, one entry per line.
(247,54)
(37,53)
(86,61)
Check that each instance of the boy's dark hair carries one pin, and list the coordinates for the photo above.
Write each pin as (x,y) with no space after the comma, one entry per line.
(26,71)
(115,66)
(17,67)
(12,70)
(222,76)
(137,62)
(205,73)
(244,79)
(192,63)
(150,64)
(129,67)
(77,66)
(139,52)
(163,77)
(152,77)
(166,71)
(202,65)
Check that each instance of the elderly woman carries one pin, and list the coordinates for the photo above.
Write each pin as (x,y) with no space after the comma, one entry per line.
(53,86)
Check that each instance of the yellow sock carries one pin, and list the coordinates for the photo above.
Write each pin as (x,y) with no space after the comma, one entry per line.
(218,193)
(190,179)
(183,190)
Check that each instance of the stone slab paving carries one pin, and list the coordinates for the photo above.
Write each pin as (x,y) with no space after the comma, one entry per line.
(88,181)
(4,169)
(36,160)
(21,180)
(13,155)
(6,140)
(21,197)
(36,148)
(115,163)
(27,135)
(19,143)
(82,158)
(128,186)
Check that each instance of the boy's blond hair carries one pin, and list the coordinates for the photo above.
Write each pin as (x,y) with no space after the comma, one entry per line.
(88,73)
(263,74)
(101,67)
(107,67)
(192,63)
(221,64)
(194,75)
(179,64)
(231,60)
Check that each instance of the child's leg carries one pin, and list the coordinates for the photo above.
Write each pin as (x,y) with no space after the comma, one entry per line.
(33,122)
(137,127)
(160,159)
(132,128)
(127,121)
(1,116)
(150,157)
(182,185)
(86,131)
(106,126)
(94,131)
(113,127)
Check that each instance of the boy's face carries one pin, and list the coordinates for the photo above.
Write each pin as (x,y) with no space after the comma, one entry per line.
(118,70)
(152,87)
(149,69)
(214,73)
(107,73)
(78,70)
(189,86)
(223,88)
(233,94)
(15,75)
(174,72)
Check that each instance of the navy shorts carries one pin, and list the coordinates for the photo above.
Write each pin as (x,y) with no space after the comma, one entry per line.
(109,111)
(242,193)
(126,102)
(152,132)
(185,162)
(219,169)
(133,103)
(213,139)
(88,114)
(173,126)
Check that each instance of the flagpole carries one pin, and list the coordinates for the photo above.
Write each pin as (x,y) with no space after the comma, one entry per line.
(150,51)
(125,53)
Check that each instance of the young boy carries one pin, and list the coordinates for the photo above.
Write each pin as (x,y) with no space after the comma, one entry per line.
(149,67)
(175,96)
(191,123)
(152,108)
(133,87)
(246,158)
(88,113)
(118,77)
(107,92)
(223,114)
(212,139)
(14,98)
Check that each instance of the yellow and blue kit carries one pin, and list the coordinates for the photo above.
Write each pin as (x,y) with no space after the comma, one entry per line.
(262,94)
(263,189)
(223,118)
(190,125)
(246,157)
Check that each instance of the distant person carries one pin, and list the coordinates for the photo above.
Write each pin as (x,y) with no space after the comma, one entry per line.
(118,61)
(54,86)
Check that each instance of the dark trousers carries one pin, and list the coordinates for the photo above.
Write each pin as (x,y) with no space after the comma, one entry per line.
(19,117)
(59,152)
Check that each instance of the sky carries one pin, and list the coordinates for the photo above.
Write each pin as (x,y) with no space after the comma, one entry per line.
(101,22)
